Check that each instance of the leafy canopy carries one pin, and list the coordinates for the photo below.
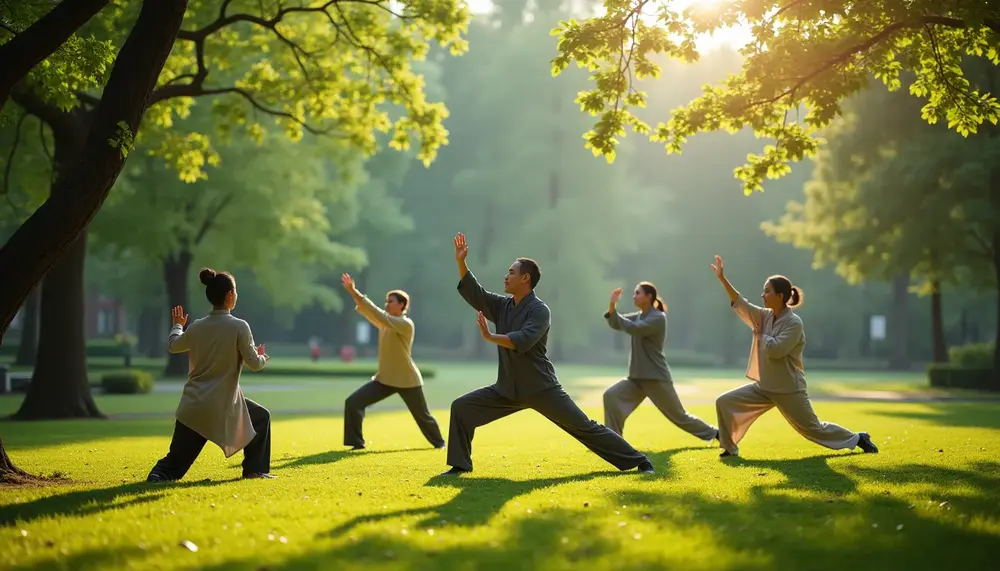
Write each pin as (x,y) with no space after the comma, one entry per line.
(805,57)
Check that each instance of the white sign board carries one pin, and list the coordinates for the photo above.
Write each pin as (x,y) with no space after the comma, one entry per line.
(363,333)
(877,327)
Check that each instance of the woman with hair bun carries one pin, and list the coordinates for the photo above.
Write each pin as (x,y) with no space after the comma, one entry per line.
(648,372)
(213,407)
(776,368)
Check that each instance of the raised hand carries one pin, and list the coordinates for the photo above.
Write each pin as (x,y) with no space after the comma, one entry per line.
(616,294)
(484,328)
(178,317)
(347,281)
(717,268)
(461,247)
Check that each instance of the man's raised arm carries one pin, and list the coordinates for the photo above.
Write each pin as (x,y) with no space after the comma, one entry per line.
(468,286)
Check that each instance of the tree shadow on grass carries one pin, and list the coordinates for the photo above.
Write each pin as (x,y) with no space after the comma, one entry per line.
(332,456)
(96,559)
(480,499)
(83,503)
(785,523)
(968,415)
(797,523)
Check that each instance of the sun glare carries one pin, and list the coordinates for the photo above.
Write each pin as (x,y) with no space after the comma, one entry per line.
(733,38)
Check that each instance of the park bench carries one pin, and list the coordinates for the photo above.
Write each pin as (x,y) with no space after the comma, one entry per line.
(13,381)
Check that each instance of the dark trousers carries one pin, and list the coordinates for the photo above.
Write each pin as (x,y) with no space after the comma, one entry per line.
(482,406)
(373,392)
(187,444)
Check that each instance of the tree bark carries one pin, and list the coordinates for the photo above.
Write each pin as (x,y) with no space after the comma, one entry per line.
(996,338)
(54,228)
(899,323)
(59,387)
(27,350)
(937,325)
(176,269)
(150,336)
(10,473)
(28,48)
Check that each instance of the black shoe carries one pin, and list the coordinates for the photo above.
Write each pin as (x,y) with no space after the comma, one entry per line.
(258,475)
(440,446)
(726,454)
(646,467)
(155,478)
(358,447)
(865,443)
(455,471)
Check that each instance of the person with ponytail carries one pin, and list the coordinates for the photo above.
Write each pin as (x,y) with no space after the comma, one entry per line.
(648,372)
(396,373)
(212,406)
(775,367)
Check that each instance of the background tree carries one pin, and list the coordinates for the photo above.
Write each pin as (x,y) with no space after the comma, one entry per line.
(269,61)
(892,195)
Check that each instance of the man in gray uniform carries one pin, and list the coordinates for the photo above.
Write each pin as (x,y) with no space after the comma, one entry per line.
(525,376)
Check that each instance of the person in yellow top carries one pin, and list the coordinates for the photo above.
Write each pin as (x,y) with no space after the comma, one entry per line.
(396,374)
(213,407)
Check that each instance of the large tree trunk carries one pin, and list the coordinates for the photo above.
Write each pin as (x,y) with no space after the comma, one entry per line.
(9,473)
(176,269)
(996,338)
(52,230)
(28,348)
(28,48)
(899,323)
(940,346)
(150,332)
(59,387)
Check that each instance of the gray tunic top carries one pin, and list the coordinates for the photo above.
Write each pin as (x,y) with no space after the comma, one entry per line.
(648,332)
(395,342)
(212,403)
(776,356)
(526,370)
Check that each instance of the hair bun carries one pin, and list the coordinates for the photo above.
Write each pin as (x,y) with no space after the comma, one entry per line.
(207,275)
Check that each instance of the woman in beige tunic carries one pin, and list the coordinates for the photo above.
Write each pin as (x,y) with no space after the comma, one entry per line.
(396,374)
(213,407)
(648,372)
(775,366)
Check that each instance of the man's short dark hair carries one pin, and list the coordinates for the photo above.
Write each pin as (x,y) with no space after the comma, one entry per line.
(530,267)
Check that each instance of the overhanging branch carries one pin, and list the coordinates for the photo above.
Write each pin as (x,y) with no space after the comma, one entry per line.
(168,91)
(883,35)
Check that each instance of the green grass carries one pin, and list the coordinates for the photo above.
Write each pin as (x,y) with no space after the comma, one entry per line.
(537,500)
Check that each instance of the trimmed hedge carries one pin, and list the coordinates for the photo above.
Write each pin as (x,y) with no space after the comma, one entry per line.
(946,375)
(128,382)
(330,370)
(95,348)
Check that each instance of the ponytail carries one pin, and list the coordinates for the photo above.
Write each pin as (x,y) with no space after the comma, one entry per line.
(658,304)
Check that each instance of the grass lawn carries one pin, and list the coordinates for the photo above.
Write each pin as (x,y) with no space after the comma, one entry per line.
(537,500)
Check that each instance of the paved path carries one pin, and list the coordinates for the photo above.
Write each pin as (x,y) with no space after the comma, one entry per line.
(690,394)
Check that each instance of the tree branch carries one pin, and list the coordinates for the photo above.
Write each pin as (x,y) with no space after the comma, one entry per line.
(57,119)
(869,43)
(27,49)
(10,162)
(197,79)
(167,92)
(206,224)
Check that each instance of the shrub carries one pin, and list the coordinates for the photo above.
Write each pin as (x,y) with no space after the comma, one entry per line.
(128,382)
(972,356)
(947,375)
